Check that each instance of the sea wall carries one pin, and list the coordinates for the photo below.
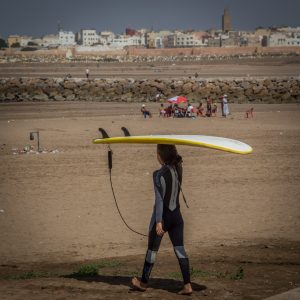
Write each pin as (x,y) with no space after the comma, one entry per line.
(134,54)
(131,90)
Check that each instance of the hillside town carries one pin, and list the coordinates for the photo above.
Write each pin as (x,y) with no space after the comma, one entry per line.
(92,40)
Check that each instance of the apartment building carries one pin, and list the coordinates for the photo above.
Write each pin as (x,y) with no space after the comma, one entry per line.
(13,40)
(200,38)
(50,40)
(184,40)
(214,41)
(181,40)
(106,37)
(87,37)
(281,39)
(66,38)
(157,39)
(24,40)
(121,41)
(289,30)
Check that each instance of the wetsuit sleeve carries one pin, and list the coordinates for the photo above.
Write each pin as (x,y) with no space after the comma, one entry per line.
(159,188)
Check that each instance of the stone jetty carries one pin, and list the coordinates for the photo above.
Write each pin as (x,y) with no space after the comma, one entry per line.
(133,90)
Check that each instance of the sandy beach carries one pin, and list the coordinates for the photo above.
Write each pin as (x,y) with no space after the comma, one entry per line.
(57,210)
(264,67)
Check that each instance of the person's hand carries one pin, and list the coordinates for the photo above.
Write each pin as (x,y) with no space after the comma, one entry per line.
(159,229)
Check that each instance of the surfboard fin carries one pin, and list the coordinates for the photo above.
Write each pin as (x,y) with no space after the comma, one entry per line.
(104,133)
(126,132)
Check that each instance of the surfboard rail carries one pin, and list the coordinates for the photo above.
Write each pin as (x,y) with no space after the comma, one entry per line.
(213,142)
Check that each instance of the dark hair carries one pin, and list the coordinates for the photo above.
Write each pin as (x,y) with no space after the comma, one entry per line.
(169,154)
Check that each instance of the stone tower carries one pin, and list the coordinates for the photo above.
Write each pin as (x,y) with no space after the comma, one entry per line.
(226,21)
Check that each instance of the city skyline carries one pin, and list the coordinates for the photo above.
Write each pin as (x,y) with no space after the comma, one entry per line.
(28,17)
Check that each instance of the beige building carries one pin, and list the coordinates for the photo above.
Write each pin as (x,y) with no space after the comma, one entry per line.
(13,39)
(157,39)
(262,32)
(106,37)
(200,38)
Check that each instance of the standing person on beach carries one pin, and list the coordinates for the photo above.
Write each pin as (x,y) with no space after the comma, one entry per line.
(87,73)
(166,217)
(214,109)
(225,106)
(208,107)
(145,112)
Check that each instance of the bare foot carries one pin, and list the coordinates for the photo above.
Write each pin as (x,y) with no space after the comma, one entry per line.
(138,285)
(187,290)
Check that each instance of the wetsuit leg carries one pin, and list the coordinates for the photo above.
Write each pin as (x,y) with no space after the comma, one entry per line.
(153,246)
(176,237)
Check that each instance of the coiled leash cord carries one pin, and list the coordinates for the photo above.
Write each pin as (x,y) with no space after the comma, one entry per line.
(109,157)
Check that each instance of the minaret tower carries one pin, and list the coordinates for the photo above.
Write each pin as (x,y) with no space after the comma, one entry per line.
(226,21)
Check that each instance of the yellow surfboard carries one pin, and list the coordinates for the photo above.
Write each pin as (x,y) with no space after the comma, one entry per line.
(213,142)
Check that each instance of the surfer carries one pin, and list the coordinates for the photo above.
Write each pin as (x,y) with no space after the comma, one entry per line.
(166,217)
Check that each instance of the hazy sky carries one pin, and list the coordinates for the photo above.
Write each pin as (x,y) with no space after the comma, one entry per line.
(39,17)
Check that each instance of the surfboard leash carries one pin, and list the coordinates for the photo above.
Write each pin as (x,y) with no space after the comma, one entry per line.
(184,199)
(109,157)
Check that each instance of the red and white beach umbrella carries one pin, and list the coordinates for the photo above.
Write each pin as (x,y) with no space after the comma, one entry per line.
(177,99)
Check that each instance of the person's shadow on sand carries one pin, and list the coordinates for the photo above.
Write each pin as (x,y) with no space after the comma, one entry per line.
(170,285)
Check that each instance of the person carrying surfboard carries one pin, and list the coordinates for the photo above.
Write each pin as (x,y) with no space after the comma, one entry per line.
(166,217)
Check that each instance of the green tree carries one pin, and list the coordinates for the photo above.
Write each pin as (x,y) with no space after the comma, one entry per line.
(3,44)
(32,44)
(16,45)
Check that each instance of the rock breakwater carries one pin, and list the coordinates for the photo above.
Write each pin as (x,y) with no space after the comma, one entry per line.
(131,90)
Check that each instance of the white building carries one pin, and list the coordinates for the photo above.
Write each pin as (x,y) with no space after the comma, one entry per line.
(24,40)
(281,39)
(200,38)
(66,38)
(289,30)
(88,37)
(38,41)
(122,41)
(106,37)
(184,40)
(180,40)
(50,40)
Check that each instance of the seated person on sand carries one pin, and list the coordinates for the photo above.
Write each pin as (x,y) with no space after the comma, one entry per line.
(179,112)
(208,107)
(200,111)
(162,111)
(214,109)
(169,111)
(189,111)
(145,112)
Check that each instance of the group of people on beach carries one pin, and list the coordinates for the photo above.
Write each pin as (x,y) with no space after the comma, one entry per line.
(189,111)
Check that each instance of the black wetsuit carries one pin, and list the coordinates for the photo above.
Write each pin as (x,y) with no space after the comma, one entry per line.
(167,182)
